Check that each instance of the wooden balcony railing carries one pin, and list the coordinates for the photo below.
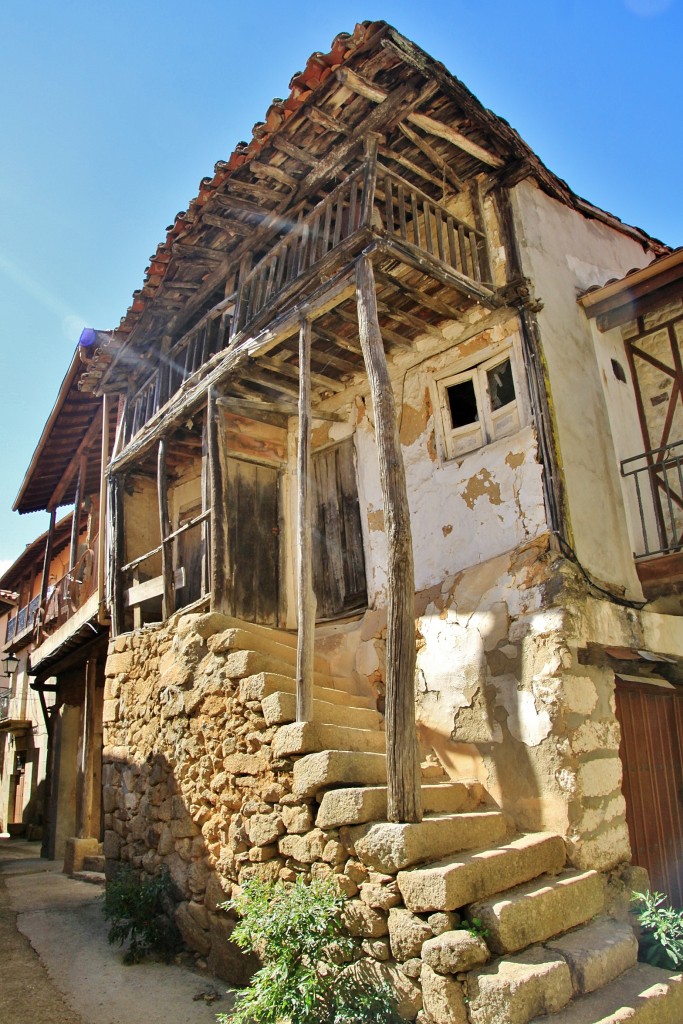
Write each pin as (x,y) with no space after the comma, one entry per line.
(372,199)
(71,592)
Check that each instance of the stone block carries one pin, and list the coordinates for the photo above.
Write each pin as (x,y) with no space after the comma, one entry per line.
(392,847)
(455,951)
(407,933)
(379,896)
(119,664)
(597,954)
(112,845)
(297,819)
(194,935)
(518,988)
(264,829)
(226,960)
(372,974)
(364,921)
(443,998)
(306,849)
(75,852)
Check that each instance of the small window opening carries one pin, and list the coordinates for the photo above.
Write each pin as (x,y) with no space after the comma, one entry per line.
(618,371)
(462,404)
(501,385)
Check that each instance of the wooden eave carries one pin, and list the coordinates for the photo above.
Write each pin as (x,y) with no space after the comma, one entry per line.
(74,419)
(617,302)
(34,553)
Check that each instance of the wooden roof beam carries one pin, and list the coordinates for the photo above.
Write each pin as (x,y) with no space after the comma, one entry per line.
(428,124)
(442,166)
(67,476)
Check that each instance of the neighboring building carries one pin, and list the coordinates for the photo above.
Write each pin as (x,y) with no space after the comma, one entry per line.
(372,551)
(68,619)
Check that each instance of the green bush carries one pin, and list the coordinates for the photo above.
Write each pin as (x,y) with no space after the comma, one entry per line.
(139,910)
(297,932)
(661,938)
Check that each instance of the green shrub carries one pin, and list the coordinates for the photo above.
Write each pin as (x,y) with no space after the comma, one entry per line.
(139,910)
(661,938)
(297,932)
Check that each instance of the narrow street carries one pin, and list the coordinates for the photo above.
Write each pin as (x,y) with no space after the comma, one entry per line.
(58,967)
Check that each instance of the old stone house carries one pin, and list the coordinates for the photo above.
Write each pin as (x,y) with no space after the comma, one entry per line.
(67,630)
(383,598)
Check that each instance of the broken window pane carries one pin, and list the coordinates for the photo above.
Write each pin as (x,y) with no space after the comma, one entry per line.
(462,403)
(501,385)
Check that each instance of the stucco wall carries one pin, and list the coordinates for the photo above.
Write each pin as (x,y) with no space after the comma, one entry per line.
(563,253)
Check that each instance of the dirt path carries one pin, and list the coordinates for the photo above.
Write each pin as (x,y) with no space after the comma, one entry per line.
(58,967)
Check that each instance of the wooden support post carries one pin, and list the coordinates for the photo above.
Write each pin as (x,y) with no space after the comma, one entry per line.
(101,539)
(369,180)
(76,521)
(168,598)
(116,548)
(46,569)
(218,535)
(85,826)
(305,595)
(404,797)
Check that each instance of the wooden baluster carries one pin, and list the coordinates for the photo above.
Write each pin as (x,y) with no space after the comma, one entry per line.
(315,231)
(463,250)
(439,233)
(338,221)
(283,257)
(389,204)
(416,221)
(476,269)
(353,206)
(402,212)
(452,248)
(428,228)
(325,244)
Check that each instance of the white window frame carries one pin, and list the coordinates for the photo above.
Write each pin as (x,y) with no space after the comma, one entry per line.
(491,424)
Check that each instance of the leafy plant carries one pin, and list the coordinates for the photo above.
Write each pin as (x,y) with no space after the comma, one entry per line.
(661,939)
(476,927)
(138,909)
(298,933)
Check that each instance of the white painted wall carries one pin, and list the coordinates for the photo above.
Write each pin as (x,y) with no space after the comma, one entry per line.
(563,253)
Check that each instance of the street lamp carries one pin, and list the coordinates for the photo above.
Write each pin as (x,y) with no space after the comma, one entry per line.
(10,664)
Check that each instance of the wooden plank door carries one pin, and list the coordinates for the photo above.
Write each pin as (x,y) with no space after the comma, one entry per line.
(338,558)
(651,719)
(253,542)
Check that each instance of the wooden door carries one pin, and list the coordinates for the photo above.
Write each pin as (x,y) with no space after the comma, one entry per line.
(253,540)
(338,559)
(651,719)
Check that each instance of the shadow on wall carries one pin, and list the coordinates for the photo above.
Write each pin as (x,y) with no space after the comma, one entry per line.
(154,830)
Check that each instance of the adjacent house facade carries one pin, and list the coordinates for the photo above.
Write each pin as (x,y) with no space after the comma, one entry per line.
(393,535)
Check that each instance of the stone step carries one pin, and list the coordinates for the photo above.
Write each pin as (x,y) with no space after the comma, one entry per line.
(241,663)
(311,737)
(360,805)
(516,989)
(597,953)
(319,771)
(390,847)
(643,995)
(279,708)
(280,636)
(264,683)
(540,909)
(337,767)
(92,877)
(455,882)
(94,863)
(263,643)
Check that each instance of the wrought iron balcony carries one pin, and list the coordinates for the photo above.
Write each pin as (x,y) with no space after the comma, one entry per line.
(23,620)
(657,480)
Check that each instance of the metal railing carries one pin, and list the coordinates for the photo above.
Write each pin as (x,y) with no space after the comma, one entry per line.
(5,698)
(23,620)
(658,483)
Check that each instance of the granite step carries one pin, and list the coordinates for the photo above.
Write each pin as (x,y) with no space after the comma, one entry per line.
(597,953)
(343,768)
(264,683)
(362,804)
(391,847)
(643,995)
(311,737)
(279,708)
(516,989)
(540,910)
(456,881)
(92,877)
(94,863)
(239,639)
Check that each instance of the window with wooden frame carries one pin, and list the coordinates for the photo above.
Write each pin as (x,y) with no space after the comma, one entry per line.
(480,404)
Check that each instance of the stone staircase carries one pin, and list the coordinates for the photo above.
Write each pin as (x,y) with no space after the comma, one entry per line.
(544,943)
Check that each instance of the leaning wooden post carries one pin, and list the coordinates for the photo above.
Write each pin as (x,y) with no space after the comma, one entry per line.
(46,570)
(218,554)
(404,797)
(85,822)
(101,537)
(168,598)
(76,521)
(305,595)
(116,548)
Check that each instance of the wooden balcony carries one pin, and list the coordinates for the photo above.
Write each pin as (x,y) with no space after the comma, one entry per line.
(373,210)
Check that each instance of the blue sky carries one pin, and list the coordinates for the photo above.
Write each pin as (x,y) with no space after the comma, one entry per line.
(111,113)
